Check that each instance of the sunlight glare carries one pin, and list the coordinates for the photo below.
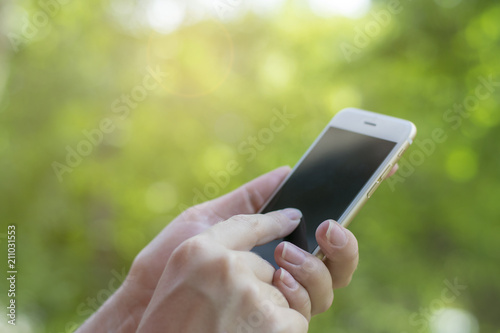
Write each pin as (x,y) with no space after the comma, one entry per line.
(348,8)
(165,16)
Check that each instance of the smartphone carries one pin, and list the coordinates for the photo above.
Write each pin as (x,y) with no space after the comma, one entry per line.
(339,173)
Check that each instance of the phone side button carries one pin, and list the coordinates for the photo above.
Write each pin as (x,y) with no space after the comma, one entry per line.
(373,189)
(386,171)
(407,144)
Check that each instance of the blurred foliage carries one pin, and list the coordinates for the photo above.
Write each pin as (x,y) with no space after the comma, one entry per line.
(437,223)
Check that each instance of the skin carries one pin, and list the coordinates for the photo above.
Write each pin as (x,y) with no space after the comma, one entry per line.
(198,275)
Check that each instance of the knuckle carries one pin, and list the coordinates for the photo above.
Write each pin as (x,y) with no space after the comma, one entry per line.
(139,268)
(275,324)
(282,325)
(311,272)
(263,263)
(249,293)
(348,257)
(302,326)
(191,214)
(354,252)
(309,267)
(305,305)
(342,283)
(192,247)
(140,261)
(217,267)
(325,304)
(278,298)
(352,255)
(251,222)
(276,217)
(221,268)
(254,199)
(276,295)
(224,264)
(241,218)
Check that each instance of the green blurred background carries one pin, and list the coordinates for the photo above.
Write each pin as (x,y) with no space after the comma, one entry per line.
(230,66)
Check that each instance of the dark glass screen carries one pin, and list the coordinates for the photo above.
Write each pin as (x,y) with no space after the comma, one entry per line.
(326,183)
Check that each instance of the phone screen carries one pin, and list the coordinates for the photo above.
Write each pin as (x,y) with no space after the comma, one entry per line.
(326,183)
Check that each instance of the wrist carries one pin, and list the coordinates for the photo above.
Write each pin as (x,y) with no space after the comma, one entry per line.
(122,312)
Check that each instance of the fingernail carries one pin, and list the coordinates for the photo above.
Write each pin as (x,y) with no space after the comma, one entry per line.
(336,235)
(292,254)
(288,279)
(293,214)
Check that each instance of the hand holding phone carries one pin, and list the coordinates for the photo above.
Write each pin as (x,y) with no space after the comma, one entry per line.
(339,173)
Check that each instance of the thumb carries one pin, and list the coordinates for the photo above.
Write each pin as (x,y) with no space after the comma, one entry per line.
(244,232)
(247,199)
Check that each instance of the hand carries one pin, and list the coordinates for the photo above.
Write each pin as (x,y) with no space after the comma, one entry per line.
(212,283)
(123,311)
(306,284)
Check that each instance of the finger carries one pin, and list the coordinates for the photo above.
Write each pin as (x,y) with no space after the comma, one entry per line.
(288,321)
(393,171)
(262,269)
(243,232)
(296,295)
(341,250)
(271,315)
(247,199)
(273,296)
(310,272)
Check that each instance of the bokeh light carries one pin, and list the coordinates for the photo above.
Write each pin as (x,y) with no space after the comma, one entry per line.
(454,321)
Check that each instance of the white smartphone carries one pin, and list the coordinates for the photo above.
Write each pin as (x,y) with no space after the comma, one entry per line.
(339,173)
